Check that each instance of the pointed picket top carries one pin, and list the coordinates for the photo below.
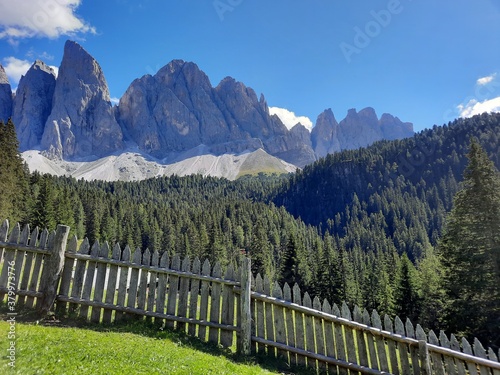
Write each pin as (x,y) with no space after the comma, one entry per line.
(155,260)
(277,292)
(307,300)
(297,295)
(377,322)
(346,312)
(443,339)
(164,260)
(84,247)
(455,345)
(357,315)
(94,252)
(4,229)
(126,254)
(14,235)
(186,264)
(25,235)
(146,258)
(267,286)
(492,355)
(104,253)
(410,331)
(466,346)
(420,333)
(433,339)
(72,245)
(479,350)
(176,262)
(117,252)
(196,266)
(206,268)
(388,324)
(33,237)
(399,326)
(366,318)
(137,256)
(217,271)
(259,284)
(335,310)
(287,293)
(327,308)
(229,275)
(316,304)
(44,237)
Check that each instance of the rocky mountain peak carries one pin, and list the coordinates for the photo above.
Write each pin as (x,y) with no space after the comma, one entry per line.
(33,104)
(5,96)
(82,122)
(324,135)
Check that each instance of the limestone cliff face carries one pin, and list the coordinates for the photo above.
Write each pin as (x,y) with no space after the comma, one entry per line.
(324,135)
(357,129)
(5,96)
(169,113)
(178,109)
(82,121)
(33,104)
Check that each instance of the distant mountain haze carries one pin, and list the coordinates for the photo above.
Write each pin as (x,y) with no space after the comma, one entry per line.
(71,117)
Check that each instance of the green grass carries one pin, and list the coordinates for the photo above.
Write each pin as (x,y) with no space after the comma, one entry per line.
(132,348)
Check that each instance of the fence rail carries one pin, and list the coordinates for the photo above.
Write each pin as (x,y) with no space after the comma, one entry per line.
(103,284)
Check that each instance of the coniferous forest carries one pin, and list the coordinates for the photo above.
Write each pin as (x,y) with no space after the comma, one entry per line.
(410,227)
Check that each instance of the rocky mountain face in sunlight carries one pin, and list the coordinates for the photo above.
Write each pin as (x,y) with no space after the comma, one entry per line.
(33,104)
(82,121)
(176,110)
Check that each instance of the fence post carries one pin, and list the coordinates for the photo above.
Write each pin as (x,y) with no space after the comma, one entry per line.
(425,364)
(52,269)
(245,310)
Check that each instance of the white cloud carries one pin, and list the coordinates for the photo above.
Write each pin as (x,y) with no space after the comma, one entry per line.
(473,107)
(485,80)
(15,68)
(40,18)
(290,119)
(114,101)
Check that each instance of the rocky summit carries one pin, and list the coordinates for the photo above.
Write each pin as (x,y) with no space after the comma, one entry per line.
(82,120)
(357,129)
(5,96)
(164,116)
(33,104)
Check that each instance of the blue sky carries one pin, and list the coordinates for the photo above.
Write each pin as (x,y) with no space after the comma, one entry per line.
(424,61)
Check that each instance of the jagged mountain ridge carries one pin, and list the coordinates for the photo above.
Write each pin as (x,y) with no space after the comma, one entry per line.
(177,109)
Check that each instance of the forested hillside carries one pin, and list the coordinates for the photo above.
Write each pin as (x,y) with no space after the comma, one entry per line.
(357,226)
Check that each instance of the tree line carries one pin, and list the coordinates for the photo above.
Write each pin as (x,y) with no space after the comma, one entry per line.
(351,227)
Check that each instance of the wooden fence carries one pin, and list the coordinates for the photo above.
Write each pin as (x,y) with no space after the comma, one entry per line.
(45,271)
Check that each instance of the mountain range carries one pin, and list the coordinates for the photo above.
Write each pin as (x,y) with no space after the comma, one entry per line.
(171,117)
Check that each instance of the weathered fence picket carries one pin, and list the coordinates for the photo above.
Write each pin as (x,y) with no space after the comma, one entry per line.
(102,286)
(193,297)
(123,279)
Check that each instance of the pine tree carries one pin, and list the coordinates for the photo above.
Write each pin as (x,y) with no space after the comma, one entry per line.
(470,252)
(14,176)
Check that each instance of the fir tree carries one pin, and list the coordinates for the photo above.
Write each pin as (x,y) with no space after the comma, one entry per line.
(470,252)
